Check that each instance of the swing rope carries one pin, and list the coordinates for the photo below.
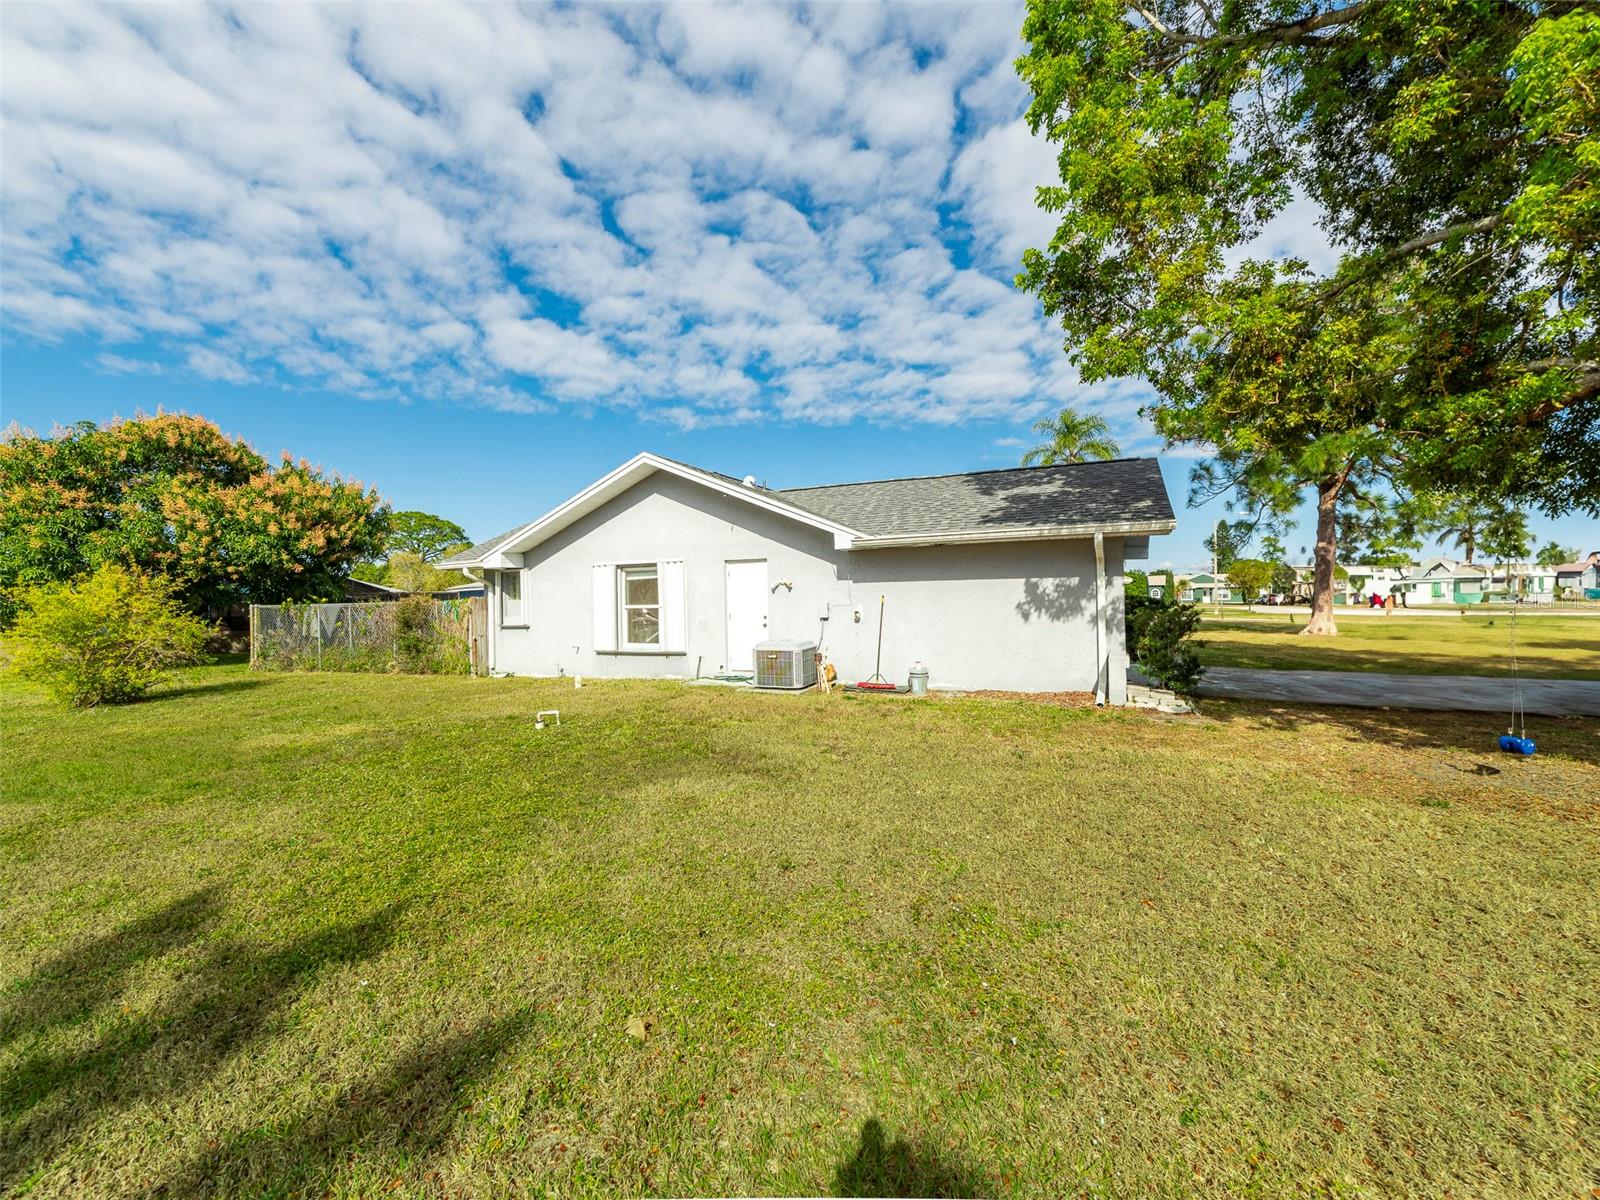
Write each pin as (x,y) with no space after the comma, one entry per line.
(1519,717)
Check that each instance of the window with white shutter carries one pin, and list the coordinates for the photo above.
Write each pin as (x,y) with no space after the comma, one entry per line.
(674,606)
(605,607)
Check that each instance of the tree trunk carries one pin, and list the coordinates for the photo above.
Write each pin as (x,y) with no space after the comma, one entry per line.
(1327,554)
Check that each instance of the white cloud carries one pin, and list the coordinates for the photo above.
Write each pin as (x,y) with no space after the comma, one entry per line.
(995,177)
(703,213)
(1295,232)
(209,364)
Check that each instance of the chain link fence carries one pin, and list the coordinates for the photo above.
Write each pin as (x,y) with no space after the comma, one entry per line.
(414,635)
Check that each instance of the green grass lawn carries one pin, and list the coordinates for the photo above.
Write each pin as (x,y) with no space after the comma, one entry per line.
(1547,647)
(337,935)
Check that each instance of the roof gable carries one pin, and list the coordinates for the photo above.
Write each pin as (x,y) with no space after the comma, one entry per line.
(498,552)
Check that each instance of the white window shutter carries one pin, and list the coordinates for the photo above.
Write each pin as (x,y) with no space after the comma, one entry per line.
(674,606)
(605,606)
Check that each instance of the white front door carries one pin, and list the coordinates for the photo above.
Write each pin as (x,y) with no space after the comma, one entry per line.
(747,612)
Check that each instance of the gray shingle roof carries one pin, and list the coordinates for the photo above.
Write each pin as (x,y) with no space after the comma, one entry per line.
(473,553)
(1020,498)
(1017,498)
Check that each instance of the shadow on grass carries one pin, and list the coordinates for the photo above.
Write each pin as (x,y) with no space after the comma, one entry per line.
(1470,733)
(201,687)
(880,1167)
(1393,650)
(75,983)
(219,1007)
(396,1119)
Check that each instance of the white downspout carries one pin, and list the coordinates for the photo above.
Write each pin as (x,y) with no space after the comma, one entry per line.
(1101,669)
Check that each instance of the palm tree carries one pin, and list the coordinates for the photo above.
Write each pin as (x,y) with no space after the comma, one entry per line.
(1071,439)
(1462,523)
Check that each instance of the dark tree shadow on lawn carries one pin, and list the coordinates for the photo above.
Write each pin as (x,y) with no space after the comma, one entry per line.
(75,983)
(227,1003)
(396,1119)
(880,1167)
(1472,734)
(200,687)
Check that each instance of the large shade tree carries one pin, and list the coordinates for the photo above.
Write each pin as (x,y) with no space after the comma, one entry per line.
(1451,148)
(172,495)
(428,536)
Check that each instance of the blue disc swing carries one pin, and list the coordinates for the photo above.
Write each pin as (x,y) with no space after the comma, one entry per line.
(1515,739)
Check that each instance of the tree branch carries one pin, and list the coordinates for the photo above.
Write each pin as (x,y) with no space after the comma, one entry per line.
(1583,365)
(1291,31)
(1421,242)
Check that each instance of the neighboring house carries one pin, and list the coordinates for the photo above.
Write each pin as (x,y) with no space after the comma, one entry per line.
(362,589)
(1581,575)
(1528,580)
(1008,579)
(1364,579)
(1159,581)
(1359,581)
(1445,581)
(1206,588)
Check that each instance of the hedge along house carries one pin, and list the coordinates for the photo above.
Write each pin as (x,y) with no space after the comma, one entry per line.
(1009,579)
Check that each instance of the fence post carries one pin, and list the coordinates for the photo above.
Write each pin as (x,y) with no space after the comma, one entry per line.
(252,637)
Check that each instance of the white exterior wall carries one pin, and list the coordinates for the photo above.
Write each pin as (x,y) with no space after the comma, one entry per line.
(1015,616)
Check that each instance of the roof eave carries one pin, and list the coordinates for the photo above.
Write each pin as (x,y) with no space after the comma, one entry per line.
(1026,534)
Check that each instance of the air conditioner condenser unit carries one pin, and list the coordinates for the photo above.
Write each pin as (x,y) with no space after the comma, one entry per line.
(791,665)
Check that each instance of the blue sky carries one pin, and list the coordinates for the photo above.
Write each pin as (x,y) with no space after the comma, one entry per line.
(477,255)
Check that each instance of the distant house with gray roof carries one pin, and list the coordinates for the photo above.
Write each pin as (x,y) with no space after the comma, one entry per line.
(1580,576)
(1008,579)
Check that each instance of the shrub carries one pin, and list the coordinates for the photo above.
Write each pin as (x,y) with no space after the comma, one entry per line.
(105,638)
(416,634)
(1158,640)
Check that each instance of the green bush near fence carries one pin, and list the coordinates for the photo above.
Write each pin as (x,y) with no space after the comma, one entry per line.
(104,638)
(415,635)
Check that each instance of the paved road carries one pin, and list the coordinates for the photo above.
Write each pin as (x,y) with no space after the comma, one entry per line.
(1370,689)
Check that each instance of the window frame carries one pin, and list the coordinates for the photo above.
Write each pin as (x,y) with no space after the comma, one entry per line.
(641,570)
(521,615)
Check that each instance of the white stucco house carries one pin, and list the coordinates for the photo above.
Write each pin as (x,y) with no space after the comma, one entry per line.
(1009,579)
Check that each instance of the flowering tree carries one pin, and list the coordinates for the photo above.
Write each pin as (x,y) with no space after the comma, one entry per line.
(171,495)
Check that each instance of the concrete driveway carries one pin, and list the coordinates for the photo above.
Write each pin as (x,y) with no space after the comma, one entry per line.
(1369,689)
